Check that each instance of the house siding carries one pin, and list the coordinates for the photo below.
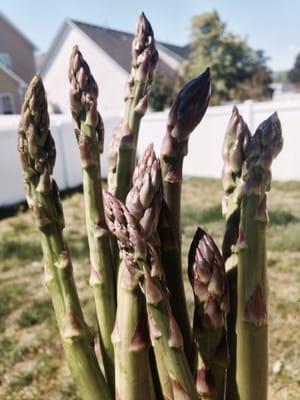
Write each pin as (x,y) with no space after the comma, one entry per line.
(108,74)
(19,49)
(9,85)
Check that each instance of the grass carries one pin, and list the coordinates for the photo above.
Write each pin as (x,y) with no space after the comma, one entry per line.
(32,364)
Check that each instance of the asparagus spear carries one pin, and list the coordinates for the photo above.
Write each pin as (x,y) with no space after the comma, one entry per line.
(37,153)
(142,262)
(145,197)
(122,153)
(252,310)
(235,142)
(207,276)
(89,132)
(133,372)
(144,203)
(185,114)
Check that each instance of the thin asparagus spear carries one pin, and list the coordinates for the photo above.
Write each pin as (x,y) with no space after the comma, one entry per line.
(236,139)
(142,261)
(252,310)
(122,153)
(37,153)
(208,280)
(185,114)
(90,134)
(122,150)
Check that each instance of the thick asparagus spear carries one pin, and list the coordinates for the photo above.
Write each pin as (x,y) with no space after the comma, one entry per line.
(122,153)
(37,152)
(133,373)
(208,280)
(186,113)
(142,262)
(144,203)
(252,310)
(237,136)
(89,132)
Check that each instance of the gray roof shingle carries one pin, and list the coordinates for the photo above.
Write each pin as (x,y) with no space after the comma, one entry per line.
(118,45)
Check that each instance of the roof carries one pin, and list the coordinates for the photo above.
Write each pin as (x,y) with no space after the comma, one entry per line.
(13,75)
(182,51)
(118,45)
(8,22)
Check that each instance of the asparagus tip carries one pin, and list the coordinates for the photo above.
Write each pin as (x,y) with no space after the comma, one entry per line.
(189,106)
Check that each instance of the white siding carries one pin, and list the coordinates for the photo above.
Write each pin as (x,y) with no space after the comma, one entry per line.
(108,74)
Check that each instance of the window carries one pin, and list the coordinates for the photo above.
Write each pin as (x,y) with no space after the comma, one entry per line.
(7,105)
(5,59)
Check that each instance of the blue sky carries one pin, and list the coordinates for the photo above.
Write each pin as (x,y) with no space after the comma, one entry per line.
(270,25)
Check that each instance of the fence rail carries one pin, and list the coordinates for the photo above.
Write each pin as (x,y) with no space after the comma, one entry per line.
(204,158)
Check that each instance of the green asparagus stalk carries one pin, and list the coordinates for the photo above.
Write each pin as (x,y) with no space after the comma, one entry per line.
(207,276)
(122,152)
(89,132)
(252,296)
(142,260)
(185,114)
(143,201)
(37,153)
(235,142)
(131,340)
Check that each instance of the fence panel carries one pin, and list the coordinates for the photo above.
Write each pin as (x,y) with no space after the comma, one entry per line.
(204,158)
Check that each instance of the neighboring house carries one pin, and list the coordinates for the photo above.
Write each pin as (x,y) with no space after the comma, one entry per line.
(108,53)
(17,66)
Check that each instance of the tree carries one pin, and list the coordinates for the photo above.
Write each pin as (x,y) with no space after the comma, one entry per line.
(163,91)
(294,73)
(238,72)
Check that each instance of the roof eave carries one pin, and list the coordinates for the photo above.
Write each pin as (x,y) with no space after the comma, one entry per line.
(13,75)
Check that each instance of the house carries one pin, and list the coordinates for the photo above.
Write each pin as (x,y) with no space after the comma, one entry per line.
(108,53)
(17,66)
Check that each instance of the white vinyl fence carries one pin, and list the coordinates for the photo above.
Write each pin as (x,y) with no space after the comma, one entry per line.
(204,158)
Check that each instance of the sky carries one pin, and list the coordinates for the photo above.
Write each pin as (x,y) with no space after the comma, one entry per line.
(269,25)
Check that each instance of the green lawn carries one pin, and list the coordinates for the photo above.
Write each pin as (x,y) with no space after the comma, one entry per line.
(32,365)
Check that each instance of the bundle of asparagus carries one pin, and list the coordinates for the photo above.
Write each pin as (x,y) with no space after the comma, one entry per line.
(149,348)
